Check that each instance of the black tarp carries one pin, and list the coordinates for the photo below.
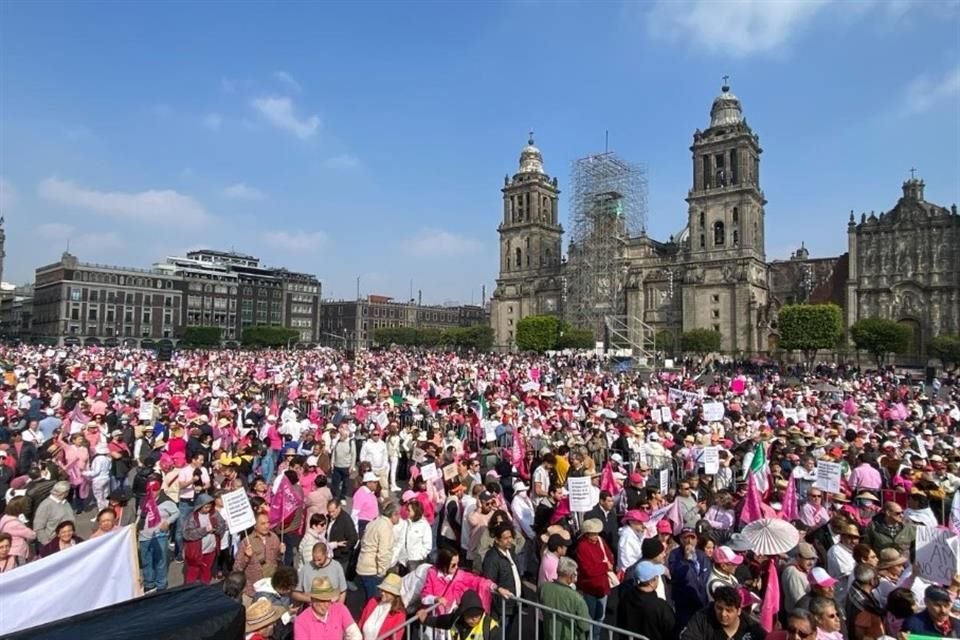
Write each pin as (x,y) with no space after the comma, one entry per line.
(194,612)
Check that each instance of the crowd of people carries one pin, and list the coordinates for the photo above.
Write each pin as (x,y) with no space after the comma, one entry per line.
(450,491)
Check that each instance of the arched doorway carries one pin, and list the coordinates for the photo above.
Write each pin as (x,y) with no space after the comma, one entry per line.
(773,342)
(916,337)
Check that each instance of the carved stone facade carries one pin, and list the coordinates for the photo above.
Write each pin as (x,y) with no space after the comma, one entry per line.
(905,266)
(530,279)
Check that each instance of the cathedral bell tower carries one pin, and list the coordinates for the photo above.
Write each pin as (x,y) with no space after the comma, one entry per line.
(726,281)
(530,244)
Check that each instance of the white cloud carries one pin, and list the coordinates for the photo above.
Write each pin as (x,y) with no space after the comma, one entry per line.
(8,195)
(287,80)
(295,242)
(80,243)
(242,191)
(735,27)
(160,206)
(213,121)
(437,242)
(926,92)
(279,111)
(345,161)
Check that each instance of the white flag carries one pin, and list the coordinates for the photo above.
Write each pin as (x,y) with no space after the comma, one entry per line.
(93,574)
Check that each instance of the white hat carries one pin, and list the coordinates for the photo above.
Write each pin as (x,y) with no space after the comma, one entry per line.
(369,476)
(311,461)
(520,485)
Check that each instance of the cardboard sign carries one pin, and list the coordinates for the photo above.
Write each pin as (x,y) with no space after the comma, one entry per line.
(713,411)
(237,511)
(938,551)
(450,471)
(581,495)
(429,472)
(828,477)
(145,414)
(711,460)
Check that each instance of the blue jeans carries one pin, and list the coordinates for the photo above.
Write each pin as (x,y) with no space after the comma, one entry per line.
(597,607)
(153,562)
(369,585)
(268,466)
(186,508)
(338,482)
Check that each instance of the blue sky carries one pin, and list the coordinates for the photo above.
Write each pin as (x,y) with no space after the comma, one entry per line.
(371,139)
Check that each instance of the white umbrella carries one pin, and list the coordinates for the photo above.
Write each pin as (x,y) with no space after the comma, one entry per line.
(771,536)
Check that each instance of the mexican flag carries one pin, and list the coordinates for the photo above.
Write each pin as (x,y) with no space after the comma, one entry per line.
(760,468)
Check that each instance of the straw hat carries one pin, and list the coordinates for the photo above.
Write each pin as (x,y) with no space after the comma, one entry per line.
(391,584)
(262,614)
(322,589)
(890,557)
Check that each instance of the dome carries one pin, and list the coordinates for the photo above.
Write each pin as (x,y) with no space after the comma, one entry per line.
(531,160)
(726,109)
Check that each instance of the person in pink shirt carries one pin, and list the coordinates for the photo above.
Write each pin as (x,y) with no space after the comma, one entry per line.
(76,460)
(365,506)
(865,476)
(20,534)
(813,513)
(326,618)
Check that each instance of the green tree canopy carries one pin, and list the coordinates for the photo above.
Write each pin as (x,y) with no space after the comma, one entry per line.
(268,336)
(880,337)
(947,348)
(573,338)
(538,333)
(700,341)
(202,336)
(666,340)
(809,327)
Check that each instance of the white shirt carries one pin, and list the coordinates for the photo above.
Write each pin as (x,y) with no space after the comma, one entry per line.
(522,509)
(374,452)
(371,628)
(36,437)
(417,541)
(542,476)
(469,503)
(629,548)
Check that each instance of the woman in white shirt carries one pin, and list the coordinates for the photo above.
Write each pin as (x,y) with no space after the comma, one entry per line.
(417,539)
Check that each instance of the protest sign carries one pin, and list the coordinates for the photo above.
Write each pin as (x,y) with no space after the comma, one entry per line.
(145,414)
(938,551)
(664,481)
(665,414)
(489,431)
(711,460)
(828,477)
(429,472)
(450,471)
(713,411)
(237,511)
(581,496)
(922,448)
(789,413)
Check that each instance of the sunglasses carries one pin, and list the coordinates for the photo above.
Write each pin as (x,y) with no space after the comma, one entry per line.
(797,632)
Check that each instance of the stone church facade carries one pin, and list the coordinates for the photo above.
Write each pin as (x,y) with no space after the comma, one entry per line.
(713,274)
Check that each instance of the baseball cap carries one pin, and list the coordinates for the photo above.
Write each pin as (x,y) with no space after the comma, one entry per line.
(726,555)
(935,593)
(635,478)
(805,551)
(664,526)
(688,531)
(486,496)
(821,578)
(647,571)
(635,515)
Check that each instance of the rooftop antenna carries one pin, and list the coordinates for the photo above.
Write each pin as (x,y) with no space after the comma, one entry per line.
(606,141)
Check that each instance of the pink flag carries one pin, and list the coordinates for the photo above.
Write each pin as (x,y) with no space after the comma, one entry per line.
(284,503)
(771,598)
(790,511)
(519,455)
(151,509)
(607,481)
(274,408)
(751,506)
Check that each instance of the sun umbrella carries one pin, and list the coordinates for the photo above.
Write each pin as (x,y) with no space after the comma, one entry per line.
(771,536)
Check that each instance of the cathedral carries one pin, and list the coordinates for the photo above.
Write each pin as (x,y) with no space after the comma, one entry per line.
(903,265)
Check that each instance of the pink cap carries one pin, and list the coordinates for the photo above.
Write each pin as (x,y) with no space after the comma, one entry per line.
(821,578)
(635,478)
(665,526)
(726,555)
(408,496)
(635,515)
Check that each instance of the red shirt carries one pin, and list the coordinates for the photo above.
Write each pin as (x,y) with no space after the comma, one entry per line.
(592,577)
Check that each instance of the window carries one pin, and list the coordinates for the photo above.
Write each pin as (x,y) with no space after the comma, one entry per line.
(92,314)
(736,216)
(75,313)
(701,219)
(702,245)
(734,177)
(93,295)
(75,295)
(715,298)
(718,234)
(146,316)
(715,313)
(109,315)
(519,257)
(736,238)
(716,328)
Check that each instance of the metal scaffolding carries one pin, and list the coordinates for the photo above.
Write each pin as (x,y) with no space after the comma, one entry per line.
(609,205)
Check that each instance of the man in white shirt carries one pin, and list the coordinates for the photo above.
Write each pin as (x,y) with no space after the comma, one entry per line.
(840,562)
(374,451)
(630,542)
(522,509)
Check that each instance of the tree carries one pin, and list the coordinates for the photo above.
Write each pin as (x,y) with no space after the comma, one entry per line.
(268,336)
(666,340)
(574,338)
(538,333)
(809,328)
(202,336)
(947,348)
(700,341)
(476,338)
(879,337)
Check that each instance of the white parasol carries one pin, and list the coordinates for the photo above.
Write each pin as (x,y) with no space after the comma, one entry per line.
(771,536)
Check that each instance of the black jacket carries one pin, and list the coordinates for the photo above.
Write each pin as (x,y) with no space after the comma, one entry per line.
(343,529)
(458,628)
(704,626)
(611,530)
(643,612)
(497,567)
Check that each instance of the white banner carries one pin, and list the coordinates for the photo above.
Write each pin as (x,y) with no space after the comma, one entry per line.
(96,573)
(713,411)
(429,472)
(828,477)
(938,551)
(145,414)
(237,511)
(711,460)
(581,496)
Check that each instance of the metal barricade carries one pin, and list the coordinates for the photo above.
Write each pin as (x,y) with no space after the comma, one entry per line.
(532,617)
(406,630)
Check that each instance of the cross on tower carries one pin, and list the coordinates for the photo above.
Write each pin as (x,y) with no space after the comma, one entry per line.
(530,139)
(912,172)
(725,80)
